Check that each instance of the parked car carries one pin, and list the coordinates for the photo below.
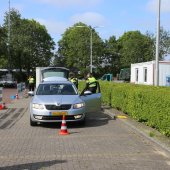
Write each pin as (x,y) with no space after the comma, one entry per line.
(57,96)
(7,80)
(8,83)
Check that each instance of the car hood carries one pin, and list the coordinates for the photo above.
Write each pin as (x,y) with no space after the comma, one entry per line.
(56,99)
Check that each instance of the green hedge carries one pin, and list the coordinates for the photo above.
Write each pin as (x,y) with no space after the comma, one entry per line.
(147,104)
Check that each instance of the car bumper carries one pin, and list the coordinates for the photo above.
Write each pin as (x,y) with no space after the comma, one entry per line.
(73,115)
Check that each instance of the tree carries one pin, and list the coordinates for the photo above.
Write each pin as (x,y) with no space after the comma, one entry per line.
(74,47)
(37,44)
(30,43)
(164,43)
(111,57)
(164,48)
(15,18)
(59,60)
(135,47)
(3,49)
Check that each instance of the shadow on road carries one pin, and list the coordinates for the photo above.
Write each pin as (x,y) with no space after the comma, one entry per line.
(36,165)
(92,120)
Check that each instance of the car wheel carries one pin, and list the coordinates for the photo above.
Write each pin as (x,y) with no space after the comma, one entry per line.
(32,123)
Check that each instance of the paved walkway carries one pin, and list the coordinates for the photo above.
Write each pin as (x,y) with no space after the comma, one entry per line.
(103,143)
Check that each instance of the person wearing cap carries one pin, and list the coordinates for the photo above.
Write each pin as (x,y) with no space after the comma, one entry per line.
(91,83)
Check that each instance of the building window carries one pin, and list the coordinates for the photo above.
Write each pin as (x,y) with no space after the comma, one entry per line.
(145,74)
(136,74)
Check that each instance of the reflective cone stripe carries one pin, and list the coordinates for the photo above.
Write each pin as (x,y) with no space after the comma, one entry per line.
(1,107)
(64,121)
(63,130)
(4,106)
(63,126)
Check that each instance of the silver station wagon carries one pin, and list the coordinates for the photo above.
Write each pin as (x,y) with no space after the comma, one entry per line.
(56,96)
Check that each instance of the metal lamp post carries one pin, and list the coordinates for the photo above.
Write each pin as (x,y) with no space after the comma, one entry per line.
(91,45)
(9,34)
(157,46)
(91,50)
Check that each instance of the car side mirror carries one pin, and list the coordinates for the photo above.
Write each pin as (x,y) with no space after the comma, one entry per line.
(31,93)
(87,92)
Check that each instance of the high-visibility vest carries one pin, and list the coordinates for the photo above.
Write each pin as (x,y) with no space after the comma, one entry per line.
(91,82)
(31,80)
(73,80)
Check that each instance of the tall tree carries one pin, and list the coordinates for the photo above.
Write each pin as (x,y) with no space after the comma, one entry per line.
(30,43)
(14,24)
(111,57)
(164,43)
(3,49)
(37,44)
(75,47)
(135,47)
(164,47)
(59,60)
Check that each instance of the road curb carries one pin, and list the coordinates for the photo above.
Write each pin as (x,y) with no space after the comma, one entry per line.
(159,139)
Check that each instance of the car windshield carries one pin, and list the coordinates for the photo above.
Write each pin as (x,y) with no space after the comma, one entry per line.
(56,89)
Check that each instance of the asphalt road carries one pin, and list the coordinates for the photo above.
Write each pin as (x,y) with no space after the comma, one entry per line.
(7,93)
(103,143)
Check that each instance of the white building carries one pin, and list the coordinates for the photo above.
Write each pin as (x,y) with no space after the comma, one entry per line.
(144,73)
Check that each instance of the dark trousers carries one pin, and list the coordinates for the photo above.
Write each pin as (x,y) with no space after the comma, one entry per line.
(31,87)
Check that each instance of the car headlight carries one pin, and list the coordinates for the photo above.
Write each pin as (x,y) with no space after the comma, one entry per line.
(78,105)
(38,106)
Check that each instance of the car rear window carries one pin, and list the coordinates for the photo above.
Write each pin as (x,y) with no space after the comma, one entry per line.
(56,89)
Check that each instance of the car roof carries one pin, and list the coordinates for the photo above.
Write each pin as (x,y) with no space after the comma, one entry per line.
(55,80)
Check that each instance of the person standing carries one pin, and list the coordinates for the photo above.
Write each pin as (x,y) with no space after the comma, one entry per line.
(31,82)
(91,83)
(73,79)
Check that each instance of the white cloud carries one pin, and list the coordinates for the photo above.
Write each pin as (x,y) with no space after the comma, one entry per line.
(90,18)
(56,28)
(152,5)
(68,3)
(19,7)
(53,27)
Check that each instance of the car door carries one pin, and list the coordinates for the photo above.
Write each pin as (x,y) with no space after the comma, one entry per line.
(92,100)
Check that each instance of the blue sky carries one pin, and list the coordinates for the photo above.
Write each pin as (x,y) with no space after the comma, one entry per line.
(115,16)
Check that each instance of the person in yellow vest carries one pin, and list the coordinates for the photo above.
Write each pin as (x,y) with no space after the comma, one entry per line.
(91,83)
(31,82)
(73,79)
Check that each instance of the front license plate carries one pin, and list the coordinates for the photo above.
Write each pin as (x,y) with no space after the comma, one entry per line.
(59,113)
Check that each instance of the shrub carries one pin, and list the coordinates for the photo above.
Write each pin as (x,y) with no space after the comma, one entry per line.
(147,104)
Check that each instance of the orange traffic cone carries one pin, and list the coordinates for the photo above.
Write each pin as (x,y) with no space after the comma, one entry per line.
(17,97)
(4,106)
(63,130)
(1,107)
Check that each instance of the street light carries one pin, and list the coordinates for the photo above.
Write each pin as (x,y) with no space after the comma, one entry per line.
(9,34)
(91,44)
(157,46)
